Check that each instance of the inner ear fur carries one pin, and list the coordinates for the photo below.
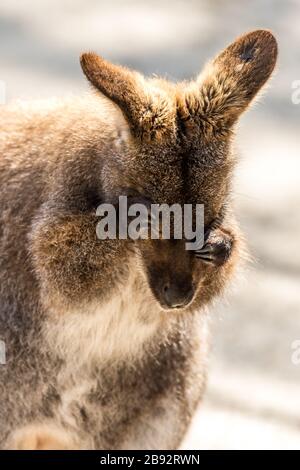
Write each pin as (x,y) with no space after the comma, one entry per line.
(229,83)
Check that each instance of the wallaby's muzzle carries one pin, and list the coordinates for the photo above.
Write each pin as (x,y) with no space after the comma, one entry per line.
(177,295)
(171,292)
(169,271)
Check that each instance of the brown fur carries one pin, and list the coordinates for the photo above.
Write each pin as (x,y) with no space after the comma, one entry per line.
(74,379)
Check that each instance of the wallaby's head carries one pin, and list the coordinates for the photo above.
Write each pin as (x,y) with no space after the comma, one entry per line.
(178,150)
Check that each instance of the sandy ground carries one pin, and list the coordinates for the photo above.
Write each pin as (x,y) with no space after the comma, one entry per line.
(253,398)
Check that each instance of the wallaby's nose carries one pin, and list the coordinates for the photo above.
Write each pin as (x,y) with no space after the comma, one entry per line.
(178,296)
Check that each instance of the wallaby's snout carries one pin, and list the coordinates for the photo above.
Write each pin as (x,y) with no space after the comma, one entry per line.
(169,270)
(171,289)
(178,294)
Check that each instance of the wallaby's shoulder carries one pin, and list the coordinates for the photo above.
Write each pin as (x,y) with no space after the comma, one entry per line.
(57,143)
(58,121)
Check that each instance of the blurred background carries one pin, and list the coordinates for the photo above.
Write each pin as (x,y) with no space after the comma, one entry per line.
(253,395)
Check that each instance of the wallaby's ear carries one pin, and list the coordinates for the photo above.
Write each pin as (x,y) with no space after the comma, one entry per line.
(117,83)
(229,83)
(144,110)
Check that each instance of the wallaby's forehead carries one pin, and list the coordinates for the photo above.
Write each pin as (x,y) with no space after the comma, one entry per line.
(178,174)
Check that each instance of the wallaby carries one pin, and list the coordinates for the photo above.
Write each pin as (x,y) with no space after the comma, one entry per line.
(106,340)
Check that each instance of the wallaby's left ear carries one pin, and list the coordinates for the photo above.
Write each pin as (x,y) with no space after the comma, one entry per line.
(146,112)
(119,84)
(229,83)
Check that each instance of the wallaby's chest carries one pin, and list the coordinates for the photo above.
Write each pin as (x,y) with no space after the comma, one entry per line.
(105,405)
(93,342)
(113,331)
(110,375)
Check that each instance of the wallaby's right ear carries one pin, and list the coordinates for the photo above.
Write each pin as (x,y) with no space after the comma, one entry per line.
(229,83)
(146,109)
